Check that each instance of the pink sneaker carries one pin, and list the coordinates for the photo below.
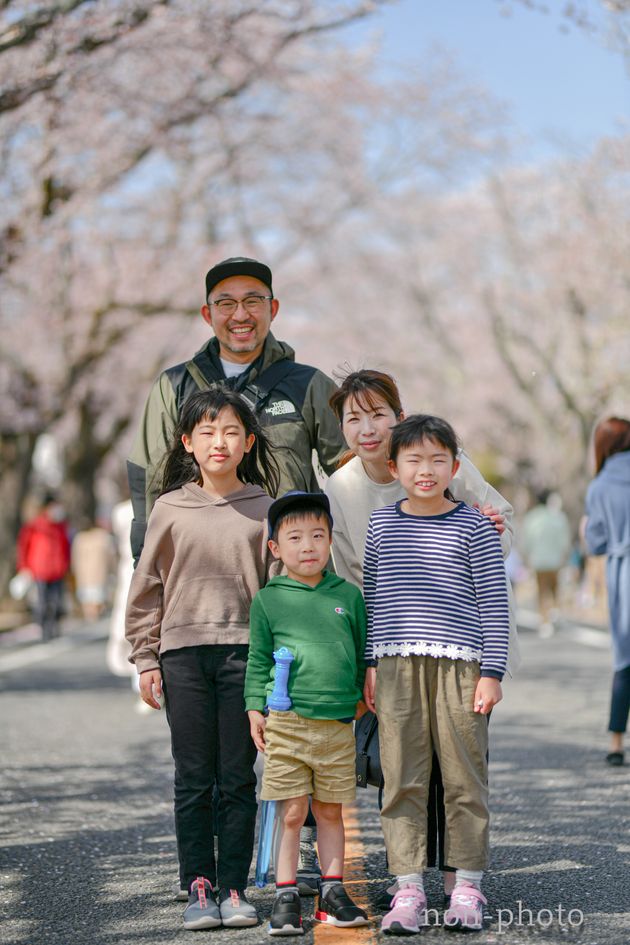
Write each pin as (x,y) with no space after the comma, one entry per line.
(465,911)
(408,912)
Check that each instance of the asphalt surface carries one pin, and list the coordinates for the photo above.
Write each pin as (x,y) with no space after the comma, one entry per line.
(87,851)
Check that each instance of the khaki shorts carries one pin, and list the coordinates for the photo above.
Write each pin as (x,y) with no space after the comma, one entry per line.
(308,756)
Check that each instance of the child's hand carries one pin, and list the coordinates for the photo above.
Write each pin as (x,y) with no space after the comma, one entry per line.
(361,709)
(151,687)
(369,688)
(493,514)
(487,694)
(257,725)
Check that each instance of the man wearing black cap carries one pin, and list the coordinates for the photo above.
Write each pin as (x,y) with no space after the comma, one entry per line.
(291,400)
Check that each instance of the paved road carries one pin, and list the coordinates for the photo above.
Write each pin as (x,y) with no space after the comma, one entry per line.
(87,846)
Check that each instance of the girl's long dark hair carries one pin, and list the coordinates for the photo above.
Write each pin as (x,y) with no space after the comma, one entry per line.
(258,467)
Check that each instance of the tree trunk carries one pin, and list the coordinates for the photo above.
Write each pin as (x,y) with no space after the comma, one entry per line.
(81,462)
(16,453)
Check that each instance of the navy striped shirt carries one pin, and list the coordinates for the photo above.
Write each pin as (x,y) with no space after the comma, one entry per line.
(436,585)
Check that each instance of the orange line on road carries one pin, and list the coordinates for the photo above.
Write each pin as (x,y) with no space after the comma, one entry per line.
(356,880)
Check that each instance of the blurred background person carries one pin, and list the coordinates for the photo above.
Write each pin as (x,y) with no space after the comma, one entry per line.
(43,551)
(118,649)
(92,562)
(607,532)
(546,545)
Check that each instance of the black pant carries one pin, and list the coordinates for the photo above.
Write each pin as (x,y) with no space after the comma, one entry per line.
(436,818)
(620,702)
(49,600)
(210,741)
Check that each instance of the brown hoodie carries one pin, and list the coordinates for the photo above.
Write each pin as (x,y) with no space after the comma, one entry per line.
(203,561)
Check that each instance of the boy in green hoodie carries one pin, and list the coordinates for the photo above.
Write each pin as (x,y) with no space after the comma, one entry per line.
(310,749)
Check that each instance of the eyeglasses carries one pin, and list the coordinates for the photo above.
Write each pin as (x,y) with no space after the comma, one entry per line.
(251,303)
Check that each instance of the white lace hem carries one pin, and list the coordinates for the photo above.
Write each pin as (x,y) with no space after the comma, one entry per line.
(451,651)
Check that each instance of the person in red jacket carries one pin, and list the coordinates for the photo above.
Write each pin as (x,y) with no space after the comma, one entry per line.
(44,551)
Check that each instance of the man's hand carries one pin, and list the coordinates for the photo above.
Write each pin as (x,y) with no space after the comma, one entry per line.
(493,514)
(257,725)
(487,694)
(369,688)
(151,687)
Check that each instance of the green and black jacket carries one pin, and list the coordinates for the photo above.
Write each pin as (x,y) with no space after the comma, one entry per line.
(291,401)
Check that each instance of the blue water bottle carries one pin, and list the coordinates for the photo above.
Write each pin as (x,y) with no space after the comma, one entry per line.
(279,699)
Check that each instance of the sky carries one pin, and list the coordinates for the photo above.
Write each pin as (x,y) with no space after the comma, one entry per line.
(564,89)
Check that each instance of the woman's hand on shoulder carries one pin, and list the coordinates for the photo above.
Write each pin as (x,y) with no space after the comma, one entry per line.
(497,519)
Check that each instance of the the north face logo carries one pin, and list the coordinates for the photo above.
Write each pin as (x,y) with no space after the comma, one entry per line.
(280,408)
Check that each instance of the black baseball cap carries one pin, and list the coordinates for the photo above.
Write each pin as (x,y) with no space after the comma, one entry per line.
(295,497)
(237,266)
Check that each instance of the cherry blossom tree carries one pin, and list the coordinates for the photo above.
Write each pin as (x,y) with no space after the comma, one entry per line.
(142,141)
(118,185)
(502,306)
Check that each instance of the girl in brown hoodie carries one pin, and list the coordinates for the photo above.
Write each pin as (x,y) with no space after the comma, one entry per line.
(204,559)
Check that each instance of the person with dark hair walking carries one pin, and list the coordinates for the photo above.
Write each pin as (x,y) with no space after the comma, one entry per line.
(187,620)
(44,552)
(607,532)
(546,545)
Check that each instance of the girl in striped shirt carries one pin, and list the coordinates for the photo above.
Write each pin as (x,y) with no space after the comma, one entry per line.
(438,624)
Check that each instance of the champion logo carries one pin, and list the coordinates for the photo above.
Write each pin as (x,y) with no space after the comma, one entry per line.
(339,610)
(280,408)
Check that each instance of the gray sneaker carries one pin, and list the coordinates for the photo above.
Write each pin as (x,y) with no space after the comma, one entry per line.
(308,871)
(236,911)
(202,911)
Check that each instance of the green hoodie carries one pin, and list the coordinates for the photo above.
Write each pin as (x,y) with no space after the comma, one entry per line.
(324,627)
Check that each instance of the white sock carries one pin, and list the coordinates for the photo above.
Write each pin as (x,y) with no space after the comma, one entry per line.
(470,877)
(411,879)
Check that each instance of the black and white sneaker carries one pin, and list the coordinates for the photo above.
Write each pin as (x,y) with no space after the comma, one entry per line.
(337,908)
(286,915)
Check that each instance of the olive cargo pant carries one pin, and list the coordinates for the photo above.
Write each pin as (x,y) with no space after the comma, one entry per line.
(425,703)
